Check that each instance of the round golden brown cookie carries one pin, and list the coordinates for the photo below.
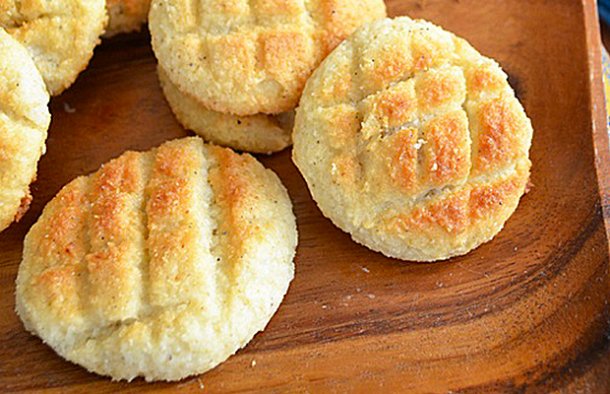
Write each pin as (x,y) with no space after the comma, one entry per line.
(125,16)
(248,57)
(161,264)
(412,142)
(59,34)
(254,133)
(24,120)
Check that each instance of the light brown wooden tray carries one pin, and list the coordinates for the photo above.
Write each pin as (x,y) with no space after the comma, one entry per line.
(525,312)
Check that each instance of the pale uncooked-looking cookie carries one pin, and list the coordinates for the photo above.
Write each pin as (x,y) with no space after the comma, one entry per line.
(255,133)
(412,142)
(59,34)
(125,16)
(162,264)
(24,120)
(248,57)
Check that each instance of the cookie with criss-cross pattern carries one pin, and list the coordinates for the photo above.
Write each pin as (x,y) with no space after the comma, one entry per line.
(413,142)
(254,133)
(248,57)
(24,120)
(161,264)
(59,34)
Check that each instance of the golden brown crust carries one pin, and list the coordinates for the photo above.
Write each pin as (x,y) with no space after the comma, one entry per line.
(412,141)
(174,268)
(447,149)
(24,206)
(57,270)
(457,212)
(229,180)
(501,129)
(114,238)
(161,264)
(249,57)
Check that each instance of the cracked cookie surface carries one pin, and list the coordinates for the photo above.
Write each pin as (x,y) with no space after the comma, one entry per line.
(413,142)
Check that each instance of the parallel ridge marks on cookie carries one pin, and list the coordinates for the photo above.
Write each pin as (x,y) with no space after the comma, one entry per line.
(145,235)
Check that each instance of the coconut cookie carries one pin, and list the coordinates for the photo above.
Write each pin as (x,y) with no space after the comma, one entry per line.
(126,16)
(255,133)
(413,142)
(24,120)
(248,57)
(59,34)
(161,264)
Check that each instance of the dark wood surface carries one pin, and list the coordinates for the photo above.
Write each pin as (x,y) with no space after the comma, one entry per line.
(525,312)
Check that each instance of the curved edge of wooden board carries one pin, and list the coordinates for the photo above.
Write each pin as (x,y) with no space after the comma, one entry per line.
(598,109)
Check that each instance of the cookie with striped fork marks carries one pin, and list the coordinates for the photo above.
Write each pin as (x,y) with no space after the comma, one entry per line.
(162,264)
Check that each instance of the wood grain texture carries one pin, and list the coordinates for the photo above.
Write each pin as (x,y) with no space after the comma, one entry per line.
(527,312)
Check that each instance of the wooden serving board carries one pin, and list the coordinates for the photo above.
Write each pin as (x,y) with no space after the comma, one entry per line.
(525,312)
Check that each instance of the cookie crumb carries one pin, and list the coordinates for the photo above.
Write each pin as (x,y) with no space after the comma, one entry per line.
(68,108)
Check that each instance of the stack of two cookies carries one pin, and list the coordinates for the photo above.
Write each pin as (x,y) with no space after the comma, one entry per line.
(234,71)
